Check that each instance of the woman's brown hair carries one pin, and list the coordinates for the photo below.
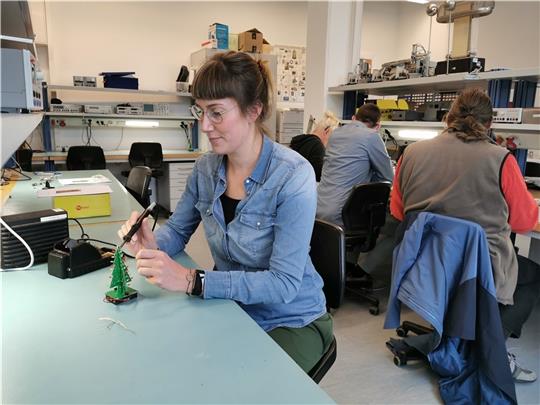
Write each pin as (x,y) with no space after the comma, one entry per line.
(470,115)
(238,76)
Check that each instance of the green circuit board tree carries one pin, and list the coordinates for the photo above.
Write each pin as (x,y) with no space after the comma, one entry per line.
(120,292)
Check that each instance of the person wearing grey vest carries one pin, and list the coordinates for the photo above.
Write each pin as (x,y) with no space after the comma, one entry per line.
(461,173)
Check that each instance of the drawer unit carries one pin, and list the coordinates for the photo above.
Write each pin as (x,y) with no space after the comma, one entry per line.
(177,174)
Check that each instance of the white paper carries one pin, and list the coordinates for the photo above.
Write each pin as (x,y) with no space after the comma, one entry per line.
(98,178)
(74,190)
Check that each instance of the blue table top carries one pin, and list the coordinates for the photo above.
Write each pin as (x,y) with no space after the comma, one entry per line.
(57,348)
(24,196)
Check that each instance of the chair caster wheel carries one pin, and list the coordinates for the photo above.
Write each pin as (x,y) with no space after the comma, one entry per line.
(398,361)
(374,310)
(401,332)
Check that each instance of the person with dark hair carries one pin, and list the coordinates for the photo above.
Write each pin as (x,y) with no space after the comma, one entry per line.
(313,146)
(461,173)
(256,200)
(355,154)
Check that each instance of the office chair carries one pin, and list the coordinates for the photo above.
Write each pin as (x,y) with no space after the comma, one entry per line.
(442,271)
(328,256)
(138,184)
(85,158)
(149,154)
(24,159)
(364,214)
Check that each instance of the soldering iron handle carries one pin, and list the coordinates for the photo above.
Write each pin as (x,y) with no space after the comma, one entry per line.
(137,225)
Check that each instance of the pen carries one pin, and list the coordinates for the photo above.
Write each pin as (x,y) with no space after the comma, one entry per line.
(67,191)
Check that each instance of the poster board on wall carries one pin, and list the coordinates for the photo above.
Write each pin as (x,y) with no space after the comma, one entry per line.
(291,73)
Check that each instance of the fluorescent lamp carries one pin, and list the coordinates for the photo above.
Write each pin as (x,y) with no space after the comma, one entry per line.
(418,1)
(142,124)
(416,134)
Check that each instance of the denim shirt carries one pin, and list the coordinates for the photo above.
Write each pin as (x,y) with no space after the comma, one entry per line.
(262,256)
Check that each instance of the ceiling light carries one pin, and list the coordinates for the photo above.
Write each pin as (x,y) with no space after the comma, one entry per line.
(416,134)
(418,1)
(142,124)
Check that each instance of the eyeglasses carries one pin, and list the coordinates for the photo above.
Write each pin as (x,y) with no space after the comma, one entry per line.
(215,116)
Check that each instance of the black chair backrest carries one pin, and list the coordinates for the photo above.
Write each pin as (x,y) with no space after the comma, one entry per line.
(138,182)
(146,154)
(364,212)
(324,364)
(24,159)
(328,256)
(85,158)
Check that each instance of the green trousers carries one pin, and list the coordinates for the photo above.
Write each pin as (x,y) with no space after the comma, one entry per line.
(306,345)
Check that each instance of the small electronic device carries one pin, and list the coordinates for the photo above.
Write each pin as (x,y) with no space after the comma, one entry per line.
(71,258)
(155,109)
(127,237)
(459,65)
(407,115)
(530,116)
(78,81)
(66,108)
(20,85)
(435,111)
(89,81)
(98,109)
(39,229)
(129,110)
(507,115)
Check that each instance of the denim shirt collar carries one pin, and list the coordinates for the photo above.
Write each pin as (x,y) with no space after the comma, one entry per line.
(261,168)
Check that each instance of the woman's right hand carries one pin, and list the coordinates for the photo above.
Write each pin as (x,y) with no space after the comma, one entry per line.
(142,239)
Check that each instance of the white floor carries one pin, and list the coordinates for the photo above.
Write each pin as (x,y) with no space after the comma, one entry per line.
(364,371)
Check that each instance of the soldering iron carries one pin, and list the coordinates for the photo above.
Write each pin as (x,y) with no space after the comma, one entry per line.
(135,227)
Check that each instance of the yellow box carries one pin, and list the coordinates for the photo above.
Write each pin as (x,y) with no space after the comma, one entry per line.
(84,206)
(233,42)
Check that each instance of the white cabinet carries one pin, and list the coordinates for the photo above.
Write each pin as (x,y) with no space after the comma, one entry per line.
(171,191)
(290,123)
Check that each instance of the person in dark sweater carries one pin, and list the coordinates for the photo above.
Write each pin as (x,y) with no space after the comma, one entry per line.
(313,146)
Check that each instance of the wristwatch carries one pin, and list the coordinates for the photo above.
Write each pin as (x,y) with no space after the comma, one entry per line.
(198,287)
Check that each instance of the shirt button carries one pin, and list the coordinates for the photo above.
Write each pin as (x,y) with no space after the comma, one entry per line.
(258,224)
(247,181)
(207,212)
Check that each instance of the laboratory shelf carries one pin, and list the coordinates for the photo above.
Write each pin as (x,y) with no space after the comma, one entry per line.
(440,83)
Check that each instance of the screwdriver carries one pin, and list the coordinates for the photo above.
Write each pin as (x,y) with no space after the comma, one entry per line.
(127,237)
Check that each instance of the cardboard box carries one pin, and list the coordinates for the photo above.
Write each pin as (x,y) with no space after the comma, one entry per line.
(84,206)
(266,47)
(250,41)
(219,35)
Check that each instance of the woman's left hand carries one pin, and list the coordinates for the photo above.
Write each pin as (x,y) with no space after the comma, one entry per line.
(161,270)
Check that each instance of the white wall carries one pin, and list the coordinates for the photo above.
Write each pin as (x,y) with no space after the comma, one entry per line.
(154,39)
(379,37)
(508,37)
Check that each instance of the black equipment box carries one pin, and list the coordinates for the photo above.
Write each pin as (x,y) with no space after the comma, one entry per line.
(466,65)
(71,258)
(39,229)
(407,115)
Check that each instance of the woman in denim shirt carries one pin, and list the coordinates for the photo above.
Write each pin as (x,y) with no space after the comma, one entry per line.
(257,201)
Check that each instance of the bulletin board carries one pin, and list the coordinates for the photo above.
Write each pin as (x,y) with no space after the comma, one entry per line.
(291,73)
